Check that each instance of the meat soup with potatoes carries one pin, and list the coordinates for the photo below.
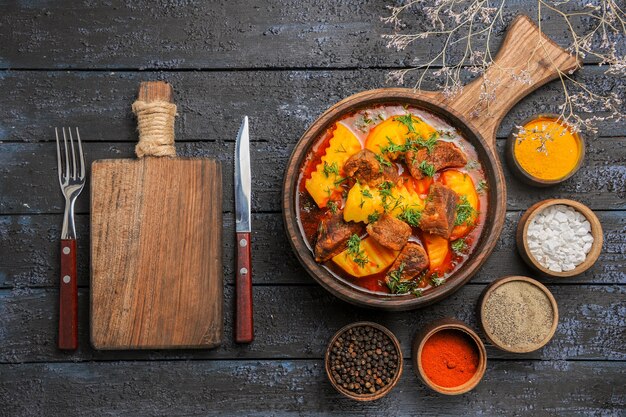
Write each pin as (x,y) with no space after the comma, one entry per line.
(392,199)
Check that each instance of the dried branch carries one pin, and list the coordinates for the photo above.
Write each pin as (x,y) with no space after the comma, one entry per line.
(466,25)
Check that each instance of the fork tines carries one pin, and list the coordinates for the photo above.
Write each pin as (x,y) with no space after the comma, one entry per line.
(63,158)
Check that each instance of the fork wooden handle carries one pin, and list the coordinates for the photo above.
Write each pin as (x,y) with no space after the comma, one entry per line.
(244,327)
(68,298)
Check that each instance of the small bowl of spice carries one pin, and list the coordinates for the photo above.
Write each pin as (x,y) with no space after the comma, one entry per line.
(449,357)
(544,151)
(559,238)
(518,314)
(363,361)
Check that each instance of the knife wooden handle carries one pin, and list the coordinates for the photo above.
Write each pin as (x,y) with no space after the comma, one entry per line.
(244,327)
(68,297)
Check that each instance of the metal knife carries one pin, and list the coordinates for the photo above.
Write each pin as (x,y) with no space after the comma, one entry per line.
(244,327)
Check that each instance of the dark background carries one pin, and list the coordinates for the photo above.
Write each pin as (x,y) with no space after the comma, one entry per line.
(282,63)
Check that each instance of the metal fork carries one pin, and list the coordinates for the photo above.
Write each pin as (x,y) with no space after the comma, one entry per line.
(72,181)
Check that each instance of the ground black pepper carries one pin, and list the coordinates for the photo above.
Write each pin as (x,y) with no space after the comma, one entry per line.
(363,360)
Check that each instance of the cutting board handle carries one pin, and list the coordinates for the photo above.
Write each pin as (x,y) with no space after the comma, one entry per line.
(525,54)
(155,111)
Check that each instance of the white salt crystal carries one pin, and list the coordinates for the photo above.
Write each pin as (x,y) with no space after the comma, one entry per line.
(581,231)
(560,217)
(559,238)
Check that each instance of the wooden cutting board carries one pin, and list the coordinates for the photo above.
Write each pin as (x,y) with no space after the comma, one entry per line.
(156,249)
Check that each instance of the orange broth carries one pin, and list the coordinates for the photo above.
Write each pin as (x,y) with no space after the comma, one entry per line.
(310,215)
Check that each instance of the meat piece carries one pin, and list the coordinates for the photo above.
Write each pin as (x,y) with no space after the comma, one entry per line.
(440,211)
(409,263)
(366,168)
(332,235)
(389,232)
(443,155)
(390,173)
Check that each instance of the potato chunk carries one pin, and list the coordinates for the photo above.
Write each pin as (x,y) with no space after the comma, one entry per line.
(326,179)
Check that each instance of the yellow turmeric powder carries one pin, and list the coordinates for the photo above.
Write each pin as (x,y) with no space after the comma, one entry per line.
(546,149)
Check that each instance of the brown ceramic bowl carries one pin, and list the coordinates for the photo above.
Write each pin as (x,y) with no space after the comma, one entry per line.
(521,173)
(435,327)
(502,281)
(492,226)
(352,395)
(522,238)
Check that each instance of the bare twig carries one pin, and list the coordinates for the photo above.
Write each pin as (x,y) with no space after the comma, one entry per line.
(465,25)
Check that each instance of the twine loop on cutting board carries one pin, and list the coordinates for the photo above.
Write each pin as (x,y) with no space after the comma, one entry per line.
(155,123)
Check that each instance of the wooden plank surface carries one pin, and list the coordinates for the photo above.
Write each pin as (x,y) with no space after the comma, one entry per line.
(227,34)
(261,388)
(298,321)
(283,63)
(34,262)
(281,104)
(600,183)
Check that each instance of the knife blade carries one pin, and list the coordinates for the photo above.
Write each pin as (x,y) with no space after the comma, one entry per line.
(244,327)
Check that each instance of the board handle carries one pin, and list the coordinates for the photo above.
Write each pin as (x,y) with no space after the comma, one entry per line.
(156,113)
(68,297)
(244,326)
(526,60)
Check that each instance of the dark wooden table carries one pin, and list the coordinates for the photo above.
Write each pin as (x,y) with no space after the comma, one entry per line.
(282,63)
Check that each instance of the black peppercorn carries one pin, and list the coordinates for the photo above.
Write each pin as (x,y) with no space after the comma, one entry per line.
(363,360)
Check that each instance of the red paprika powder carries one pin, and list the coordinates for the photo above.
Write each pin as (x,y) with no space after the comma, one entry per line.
(449,358)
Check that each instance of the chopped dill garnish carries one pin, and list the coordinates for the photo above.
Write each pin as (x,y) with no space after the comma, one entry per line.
(332,206)
(473,165)
(482,186)
(407,120)
(384,162)
(362,203)
(459,246)
(373,217)
(341,149)
(437,280)
(384,190)
(366,193)
(427,169)
(411,216)
(420,142)
(328,191)
(363,122)
(413,143)
(354,249)
(340,180)
(392,147)
(396,205)
(330,169)
(396,286)
(446,133)
(464,212)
